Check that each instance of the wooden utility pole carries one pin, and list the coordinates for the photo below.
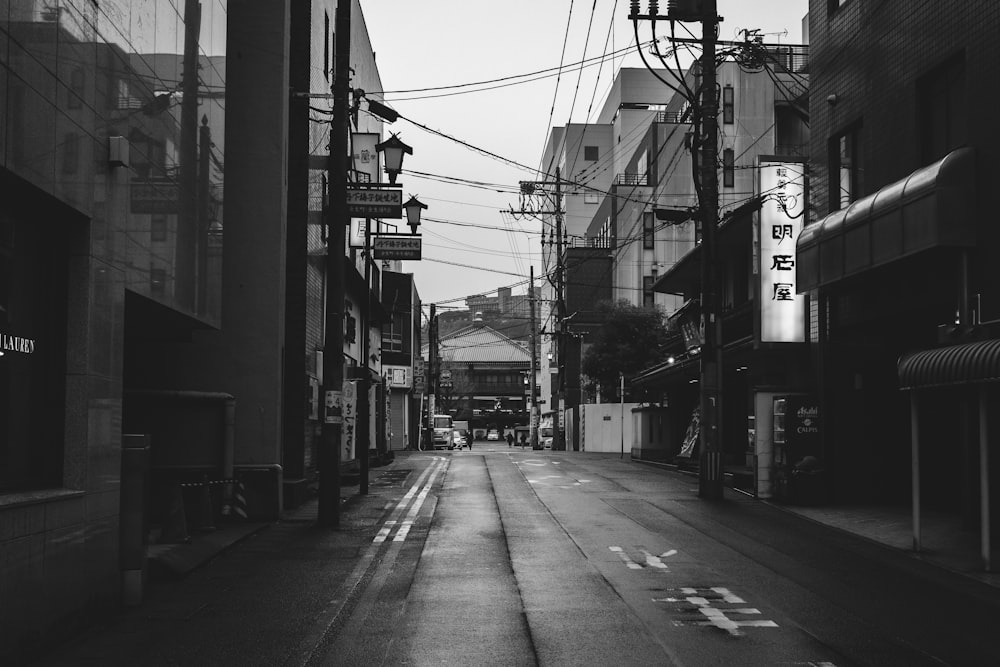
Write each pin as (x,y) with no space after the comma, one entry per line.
(533,415)
(559,433)
(710,484)
(337,220)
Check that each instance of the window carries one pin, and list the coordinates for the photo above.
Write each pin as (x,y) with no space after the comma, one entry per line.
(648,230)
(326,45)
(74,98)
(158,228)
(648,298)
(71,153)
(728,111)
(590,198)
(590,153)
(845,168)
(34,274)
(157,281)
(728,168)
(941,110)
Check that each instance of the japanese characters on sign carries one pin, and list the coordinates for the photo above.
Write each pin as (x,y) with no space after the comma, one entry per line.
(398,376)
(782,310)
(364,156)
(402,246)
(365,202)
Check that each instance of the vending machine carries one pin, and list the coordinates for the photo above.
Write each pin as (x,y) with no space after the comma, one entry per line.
(799,466)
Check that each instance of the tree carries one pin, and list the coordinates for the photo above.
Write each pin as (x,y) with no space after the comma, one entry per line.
(630,339)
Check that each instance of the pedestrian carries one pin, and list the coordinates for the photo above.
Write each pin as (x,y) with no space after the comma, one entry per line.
(524,439)
(510,439)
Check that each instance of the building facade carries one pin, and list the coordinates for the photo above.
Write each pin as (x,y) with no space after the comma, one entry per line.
(898,258)
(135,156)
(763,138)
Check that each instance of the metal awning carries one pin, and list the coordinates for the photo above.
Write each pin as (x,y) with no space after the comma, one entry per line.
(932,207)
(967,363)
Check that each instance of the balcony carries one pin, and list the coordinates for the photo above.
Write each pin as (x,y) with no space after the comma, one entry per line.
(673,117)
(633,180)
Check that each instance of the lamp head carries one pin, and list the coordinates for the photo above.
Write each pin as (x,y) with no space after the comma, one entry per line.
(413,207)
(393,150)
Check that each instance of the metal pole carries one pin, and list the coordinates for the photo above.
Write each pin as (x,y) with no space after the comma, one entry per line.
(364,404)
(915,465)
(431,377)
(337,219)
(984,477)
(621,401)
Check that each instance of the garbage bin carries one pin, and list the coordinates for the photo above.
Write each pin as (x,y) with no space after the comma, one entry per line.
(134,516)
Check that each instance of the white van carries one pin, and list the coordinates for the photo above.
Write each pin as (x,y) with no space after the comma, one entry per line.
(443,432)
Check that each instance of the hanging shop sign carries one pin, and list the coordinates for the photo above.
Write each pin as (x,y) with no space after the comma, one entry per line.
(782,309)
(390,246)
(364,156)
(356,237)
(398,377)
(374,202)
(419,378)
(155,196)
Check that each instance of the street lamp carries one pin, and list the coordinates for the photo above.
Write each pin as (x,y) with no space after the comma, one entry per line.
(413,207)
(392,150)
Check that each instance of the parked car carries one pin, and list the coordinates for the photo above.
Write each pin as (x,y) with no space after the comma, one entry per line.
(493,434)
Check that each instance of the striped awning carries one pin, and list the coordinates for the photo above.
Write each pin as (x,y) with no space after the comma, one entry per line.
(953,365)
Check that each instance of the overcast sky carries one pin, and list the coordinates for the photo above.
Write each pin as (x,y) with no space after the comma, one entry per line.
(433,44)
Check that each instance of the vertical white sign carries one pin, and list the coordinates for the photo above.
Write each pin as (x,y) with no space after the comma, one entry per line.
(364,156)
(364,162)
(782,310)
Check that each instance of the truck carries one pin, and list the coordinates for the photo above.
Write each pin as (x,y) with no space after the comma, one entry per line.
(443,432)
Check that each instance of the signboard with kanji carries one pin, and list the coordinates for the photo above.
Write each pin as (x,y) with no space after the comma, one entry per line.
(782,308)
(385,246)
(374,202)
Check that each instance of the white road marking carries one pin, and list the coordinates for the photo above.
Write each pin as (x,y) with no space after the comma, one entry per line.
(704,598)
(668,554)
(654,561)
(387,527)
(631,564)
(411,516)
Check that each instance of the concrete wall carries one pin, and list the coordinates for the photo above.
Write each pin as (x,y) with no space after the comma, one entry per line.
(601,427)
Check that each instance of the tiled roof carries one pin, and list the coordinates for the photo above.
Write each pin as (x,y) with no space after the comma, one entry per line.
(481,344)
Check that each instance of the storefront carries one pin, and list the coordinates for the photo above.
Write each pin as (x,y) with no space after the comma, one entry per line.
(889,274)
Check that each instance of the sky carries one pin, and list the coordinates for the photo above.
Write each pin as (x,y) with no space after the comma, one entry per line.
(444,51)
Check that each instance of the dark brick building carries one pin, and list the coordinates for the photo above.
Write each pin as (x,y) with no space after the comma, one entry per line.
(899,256)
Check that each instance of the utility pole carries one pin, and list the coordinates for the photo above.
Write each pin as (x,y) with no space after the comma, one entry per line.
(533,416)
(431,374)
(337,220)
(710,480)
(560,432)
(528,187)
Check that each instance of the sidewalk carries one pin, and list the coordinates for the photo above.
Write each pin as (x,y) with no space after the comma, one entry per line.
(944,543)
